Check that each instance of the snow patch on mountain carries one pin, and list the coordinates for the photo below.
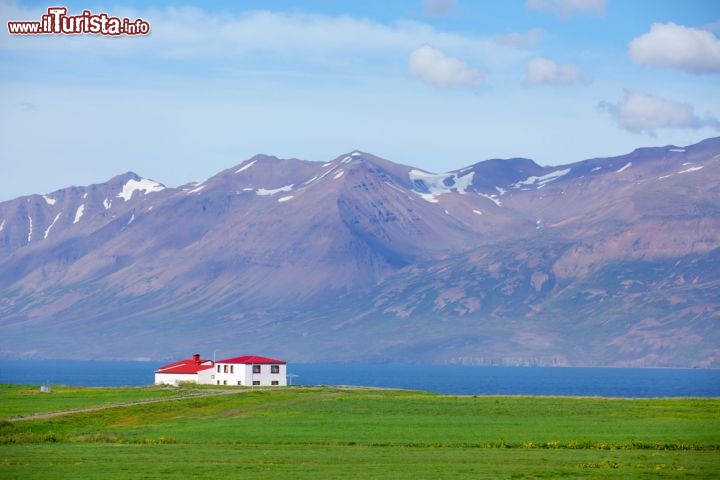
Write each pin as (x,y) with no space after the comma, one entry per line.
(265,192)
(245,167)
(492,198)
(692,169)
(79,213)
(687,170)
(2,225)
(542,180)
(47,232)
(48,200)
(197,189)
(107,203)
(678,150)
(627,165)
(285,199)
(144,185)
(132,219)
(430,185)
(339,174)
(30,229)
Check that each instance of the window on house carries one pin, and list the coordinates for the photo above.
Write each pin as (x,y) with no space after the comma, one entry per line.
(239,382)
(218,368)
(232,368)
(275,382)
(275,369)
(256,382)
(256,368)
(218,382)
(225,368)
(224,382)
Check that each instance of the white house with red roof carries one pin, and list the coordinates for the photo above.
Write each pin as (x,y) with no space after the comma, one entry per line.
(248,370)
(251,370)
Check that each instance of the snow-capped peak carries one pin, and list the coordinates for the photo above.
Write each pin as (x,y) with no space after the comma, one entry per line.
(144,185)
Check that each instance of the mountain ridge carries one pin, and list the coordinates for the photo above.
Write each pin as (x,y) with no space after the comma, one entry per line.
(361,258)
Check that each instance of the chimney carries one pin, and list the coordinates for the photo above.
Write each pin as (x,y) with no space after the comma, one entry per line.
(196,358)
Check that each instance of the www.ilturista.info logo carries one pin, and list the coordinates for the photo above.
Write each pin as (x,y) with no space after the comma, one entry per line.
(58,22)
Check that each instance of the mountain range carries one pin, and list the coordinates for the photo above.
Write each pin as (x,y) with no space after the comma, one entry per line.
(604,262)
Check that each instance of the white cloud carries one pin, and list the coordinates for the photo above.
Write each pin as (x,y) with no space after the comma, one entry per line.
(438,8)
(541,71)
(291,38)
(521,40)
(433,66)
(640,111)
(567,8)
(675,46)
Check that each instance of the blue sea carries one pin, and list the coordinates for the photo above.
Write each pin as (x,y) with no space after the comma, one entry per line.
(447,379)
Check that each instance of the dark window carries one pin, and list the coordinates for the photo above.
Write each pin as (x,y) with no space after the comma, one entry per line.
(224,382)
(256,382)
(275,382)
(218,382)
(218,368)
(275,369)
(225,368)
(232,368)
(256,368)
(239,382)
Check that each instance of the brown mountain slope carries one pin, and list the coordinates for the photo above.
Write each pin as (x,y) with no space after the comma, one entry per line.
(606,261)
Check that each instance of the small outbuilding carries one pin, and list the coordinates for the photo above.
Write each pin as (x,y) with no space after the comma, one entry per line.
(192,370)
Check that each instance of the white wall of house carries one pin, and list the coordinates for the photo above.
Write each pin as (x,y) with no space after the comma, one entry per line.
(229,374)
(206,376)
(265,375)
(175,378)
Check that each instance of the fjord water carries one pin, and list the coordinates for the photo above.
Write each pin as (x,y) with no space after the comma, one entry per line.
(447,379)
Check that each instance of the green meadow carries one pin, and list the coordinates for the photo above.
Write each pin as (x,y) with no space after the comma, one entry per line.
(333,432)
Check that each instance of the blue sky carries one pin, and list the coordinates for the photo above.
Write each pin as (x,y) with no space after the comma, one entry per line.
(438,84)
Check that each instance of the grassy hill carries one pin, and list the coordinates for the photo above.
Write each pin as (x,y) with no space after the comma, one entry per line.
(349,433)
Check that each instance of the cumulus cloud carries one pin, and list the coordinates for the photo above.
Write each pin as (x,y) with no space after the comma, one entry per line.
(521,40)
(675,46)
(541,71)
(437,8)
(640,111)
(433,66)
(567,8)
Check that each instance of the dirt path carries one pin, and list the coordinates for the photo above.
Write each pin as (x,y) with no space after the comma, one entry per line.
(95,408)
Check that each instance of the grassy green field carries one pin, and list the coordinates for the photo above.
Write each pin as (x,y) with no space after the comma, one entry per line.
(350,433)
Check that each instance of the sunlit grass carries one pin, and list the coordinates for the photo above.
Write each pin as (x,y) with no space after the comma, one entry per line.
(361,433)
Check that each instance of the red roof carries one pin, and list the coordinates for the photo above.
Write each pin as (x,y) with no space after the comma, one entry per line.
(254,359)
(189,366)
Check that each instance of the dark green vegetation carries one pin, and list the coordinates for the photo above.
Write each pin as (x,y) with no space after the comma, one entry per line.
(352,433)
